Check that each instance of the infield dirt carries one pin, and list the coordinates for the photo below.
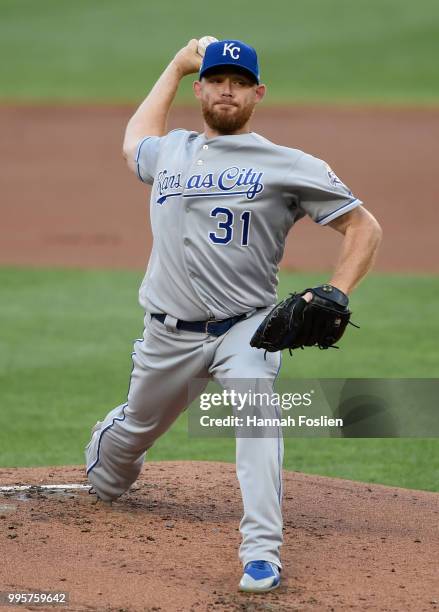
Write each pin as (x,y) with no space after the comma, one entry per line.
(171,543)
(69,200)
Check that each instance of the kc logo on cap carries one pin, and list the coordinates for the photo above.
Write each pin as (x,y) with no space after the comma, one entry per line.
(232,49)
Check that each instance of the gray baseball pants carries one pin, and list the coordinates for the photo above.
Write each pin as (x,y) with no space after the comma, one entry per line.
(164,362)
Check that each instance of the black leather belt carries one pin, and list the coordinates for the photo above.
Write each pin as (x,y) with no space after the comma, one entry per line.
(211,327)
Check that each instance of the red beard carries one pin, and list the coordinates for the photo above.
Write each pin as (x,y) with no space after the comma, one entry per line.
(223,121)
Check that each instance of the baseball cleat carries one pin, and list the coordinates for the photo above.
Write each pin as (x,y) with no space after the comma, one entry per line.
(99,500)
(260,577)
(92,491)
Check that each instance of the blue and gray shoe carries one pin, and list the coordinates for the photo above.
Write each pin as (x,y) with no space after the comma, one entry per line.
(260,577)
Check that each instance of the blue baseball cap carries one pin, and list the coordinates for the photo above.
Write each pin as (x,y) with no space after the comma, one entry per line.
(230,53)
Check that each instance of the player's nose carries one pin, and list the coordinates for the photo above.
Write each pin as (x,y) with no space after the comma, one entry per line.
(226,89)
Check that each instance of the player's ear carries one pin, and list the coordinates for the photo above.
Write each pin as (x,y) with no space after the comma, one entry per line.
(260,92)
(197,89)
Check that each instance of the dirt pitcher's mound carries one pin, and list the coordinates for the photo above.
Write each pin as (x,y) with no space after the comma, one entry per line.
(171,543)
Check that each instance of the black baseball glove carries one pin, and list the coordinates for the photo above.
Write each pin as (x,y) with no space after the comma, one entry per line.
(295,323)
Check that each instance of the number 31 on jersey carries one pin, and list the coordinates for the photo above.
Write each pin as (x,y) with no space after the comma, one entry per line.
(226,226)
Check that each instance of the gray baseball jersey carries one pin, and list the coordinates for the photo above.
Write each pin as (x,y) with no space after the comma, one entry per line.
(220,213)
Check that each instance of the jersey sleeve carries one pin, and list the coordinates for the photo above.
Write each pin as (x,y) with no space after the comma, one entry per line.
(321,194)
(146,158)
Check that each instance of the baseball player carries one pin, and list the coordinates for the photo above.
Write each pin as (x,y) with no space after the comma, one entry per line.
(222,203)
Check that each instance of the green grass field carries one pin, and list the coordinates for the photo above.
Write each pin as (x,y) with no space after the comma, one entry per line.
(364,51)
(66,336)
(65,346)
